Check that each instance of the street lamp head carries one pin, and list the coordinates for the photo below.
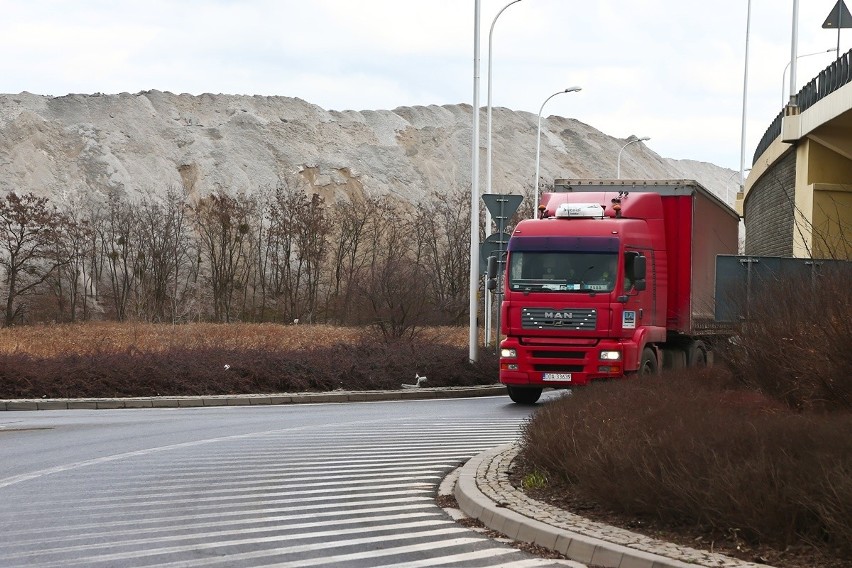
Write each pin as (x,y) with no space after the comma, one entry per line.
(786,67)
(632,139)
(538,139)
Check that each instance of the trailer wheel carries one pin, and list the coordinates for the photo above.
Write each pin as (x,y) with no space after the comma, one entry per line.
(649,364)
(696,354)
(523,395)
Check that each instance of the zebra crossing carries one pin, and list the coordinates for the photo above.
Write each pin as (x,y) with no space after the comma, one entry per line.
(361,493)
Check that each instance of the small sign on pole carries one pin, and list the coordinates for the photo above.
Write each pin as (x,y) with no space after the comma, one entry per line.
(501,207)
(839,17)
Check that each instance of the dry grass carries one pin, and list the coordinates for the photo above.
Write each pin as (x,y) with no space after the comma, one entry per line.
(110,337)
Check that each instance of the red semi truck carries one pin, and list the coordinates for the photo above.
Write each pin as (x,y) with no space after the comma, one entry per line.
(613,278)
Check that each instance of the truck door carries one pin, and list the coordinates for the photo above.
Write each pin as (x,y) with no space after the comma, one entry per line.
(639,288)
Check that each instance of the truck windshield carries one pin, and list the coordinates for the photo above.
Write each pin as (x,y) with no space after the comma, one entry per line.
(563,271)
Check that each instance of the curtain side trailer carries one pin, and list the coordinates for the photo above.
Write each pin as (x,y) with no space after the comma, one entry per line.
(613,278)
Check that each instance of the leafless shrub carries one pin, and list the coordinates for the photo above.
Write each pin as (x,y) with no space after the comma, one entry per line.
(794,344)
(215,369)
(689,449)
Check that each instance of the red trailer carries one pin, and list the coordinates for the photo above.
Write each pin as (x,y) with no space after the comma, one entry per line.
(614,277)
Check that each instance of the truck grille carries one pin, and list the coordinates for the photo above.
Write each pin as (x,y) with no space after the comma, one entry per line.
(549,318)
(558,354)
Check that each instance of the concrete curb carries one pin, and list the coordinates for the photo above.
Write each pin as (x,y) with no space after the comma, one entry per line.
(509,511)
(249,399)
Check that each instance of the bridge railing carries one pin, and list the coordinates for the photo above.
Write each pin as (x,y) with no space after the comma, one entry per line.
(829,80)
(773,132)
(836,75)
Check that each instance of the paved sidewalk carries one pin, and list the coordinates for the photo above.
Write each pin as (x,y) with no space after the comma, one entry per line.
(483,491)
(249,399)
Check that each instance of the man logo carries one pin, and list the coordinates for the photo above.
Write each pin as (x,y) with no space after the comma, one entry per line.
(559,315)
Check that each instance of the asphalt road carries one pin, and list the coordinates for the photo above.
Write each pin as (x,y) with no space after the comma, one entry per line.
(304,485)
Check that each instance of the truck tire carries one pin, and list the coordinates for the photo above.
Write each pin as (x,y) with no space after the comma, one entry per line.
(523,395)
(696,354)
(649,364)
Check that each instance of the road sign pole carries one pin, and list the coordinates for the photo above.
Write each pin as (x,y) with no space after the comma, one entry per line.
(839,17)
(487,313)
(500,262)
(501,207)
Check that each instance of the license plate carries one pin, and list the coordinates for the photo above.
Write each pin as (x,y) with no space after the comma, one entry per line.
(557,377)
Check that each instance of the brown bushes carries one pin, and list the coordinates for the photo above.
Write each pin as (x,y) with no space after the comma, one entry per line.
(795,345)
(182,371)
(672,448)
(758,446)
(151,360)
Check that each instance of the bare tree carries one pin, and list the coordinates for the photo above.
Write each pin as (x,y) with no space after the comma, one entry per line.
(285,274)
(87,209)
(27,237)
(442,227)
(297,246)
(312,233)
(166,253)
(73,247)
(224,231)
(391,286)
(351,223)
(123,259)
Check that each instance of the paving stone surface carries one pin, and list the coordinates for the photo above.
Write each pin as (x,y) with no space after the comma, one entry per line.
(612,546)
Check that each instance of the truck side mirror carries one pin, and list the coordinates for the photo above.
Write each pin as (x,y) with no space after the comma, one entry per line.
(639,268)
(492,267)
(491,283)
(636,269)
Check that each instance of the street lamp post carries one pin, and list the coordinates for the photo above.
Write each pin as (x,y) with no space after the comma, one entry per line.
(784,75)
(794,48)
(488,293)
(538,144)
(745,95)
(473,353)
(632,140)
(488,114)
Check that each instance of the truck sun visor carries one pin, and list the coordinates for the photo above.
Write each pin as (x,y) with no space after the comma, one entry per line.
(585,244)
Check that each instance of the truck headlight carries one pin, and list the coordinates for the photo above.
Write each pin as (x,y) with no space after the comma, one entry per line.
(508,353)
(610,355)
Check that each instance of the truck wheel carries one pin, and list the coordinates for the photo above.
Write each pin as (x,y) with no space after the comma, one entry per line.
(696,354)
(649,364)
(524,395)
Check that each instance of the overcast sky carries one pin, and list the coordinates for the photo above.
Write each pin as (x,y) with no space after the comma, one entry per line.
(668,69)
